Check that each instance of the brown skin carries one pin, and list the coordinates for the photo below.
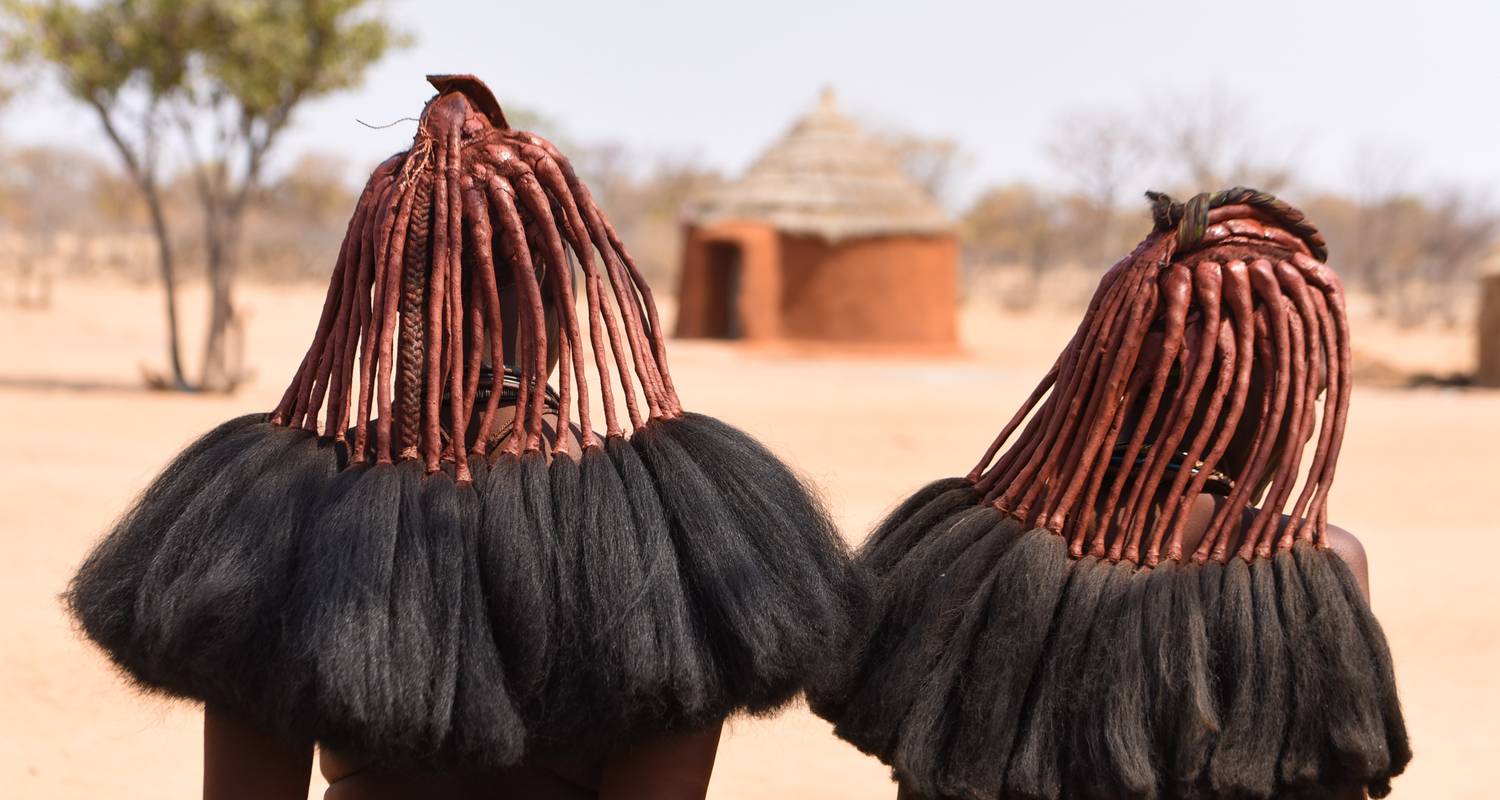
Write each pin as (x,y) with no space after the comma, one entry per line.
(244,762)
(671,767)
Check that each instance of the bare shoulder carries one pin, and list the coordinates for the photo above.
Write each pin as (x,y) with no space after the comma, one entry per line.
(1348,547)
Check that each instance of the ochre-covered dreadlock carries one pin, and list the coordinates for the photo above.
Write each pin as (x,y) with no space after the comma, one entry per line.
(470,188)
(383,565)
(1043,629)
(1227,281)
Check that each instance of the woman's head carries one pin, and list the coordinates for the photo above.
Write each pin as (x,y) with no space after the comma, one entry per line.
(1200,361)
(461,252)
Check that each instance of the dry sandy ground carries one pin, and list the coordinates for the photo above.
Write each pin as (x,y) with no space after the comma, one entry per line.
(1415,484)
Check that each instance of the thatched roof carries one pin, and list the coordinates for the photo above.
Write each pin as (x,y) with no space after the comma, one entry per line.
(826,177)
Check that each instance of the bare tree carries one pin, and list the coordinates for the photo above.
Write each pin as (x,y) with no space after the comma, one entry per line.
(1013,223)
(1209,140)
(296,223)
(1414,251)
(1098,151)
(1460,231)
(932,162)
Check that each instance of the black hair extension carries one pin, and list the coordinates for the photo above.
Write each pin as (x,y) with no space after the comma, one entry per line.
(687,663)
(1273,673)
(1034,769)
(164,599)
(344,577)
(487,725)
(516,568)
(415,619)
(620,648)
(1116,741)
(933,715)
(1303,751)
(1175,637)
(1397,743)
(1230,770)
(1086,764)
(101,596)
(901,643)
(228,593)
(570,698)
(1358,726)
(755,624)
(1030,578)
(792,530)
(903,528)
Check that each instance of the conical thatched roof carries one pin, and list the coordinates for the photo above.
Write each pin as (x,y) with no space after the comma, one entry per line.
(826,177)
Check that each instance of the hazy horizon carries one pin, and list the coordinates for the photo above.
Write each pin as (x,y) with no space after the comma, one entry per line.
(1338,86)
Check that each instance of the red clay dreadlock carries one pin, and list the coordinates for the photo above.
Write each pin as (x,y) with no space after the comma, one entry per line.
(466,168)
(1225,281)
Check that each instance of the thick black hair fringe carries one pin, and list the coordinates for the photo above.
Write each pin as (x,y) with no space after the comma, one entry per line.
(995,666)
(570,704)
(625,661)
(904,527)
(416,621)
(1174,633)
(487,726)
(932,719)
(341,612)
(1398,745)
(1233,768)
(757,624)
(225,596)
(904,632)
(788,524)
(515,564)
(876,633)
(102,596)
(1035,767)
(1113,742)
(1084,764)
(1365,729)
(1303,750)
(1029,580)
(1273,704)
(683,680)
(164,600)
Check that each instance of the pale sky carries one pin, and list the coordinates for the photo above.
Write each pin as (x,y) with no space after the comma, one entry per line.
(1332,82)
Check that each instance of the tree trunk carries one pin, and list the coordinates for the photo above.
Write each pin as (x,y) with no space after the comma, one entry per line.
(222,366)
(141,168)
(168,283)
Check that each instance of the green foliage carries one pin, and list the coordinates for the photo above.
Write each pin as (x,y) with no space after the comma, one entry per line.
(265,55)
(225,76)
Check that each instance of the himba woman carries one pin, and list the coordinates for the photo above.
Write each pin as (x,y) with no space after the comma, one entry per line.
(454,586)
(1136,592)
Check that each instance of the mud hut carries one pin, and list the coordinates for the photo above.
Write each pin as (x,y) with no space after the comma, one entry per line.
(824,238)
(1488,372)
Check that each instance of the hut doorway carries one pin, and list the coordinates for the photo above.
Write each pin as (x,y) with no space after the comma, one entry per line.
(725,274)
